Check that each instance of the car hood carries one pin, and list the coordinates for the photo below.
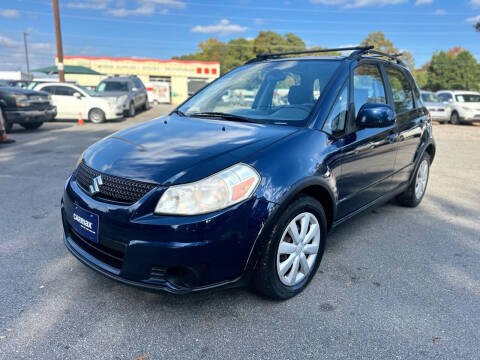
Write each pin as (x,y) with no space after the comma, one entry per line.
(429,104)
(111,93)
(175,149)
(15,90)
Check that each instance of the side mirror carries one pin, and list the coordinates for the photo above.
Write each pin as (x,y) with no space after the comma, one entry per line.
(77,95)
(375,115)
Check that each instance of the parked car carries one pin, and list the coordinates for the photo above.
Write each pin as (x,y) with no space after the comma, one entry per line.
(28,108)
(201,199)
(33,83)
(73,101)
(18,83)
(129,88)
(465,105)
(438,110)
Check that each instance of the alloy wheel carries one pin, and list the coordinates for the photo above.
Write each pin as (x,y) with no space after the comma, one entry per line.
(422,178)
(298,249)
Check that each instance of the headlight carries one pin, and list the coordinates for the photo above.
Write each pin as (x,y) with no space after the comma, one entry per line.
(213,193)
(21,100)
(122,99)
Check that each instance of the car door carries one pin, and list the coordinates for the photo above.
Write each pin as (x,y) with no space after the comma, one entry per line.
(368,154)
(410,122)
(140,94)
(68,106)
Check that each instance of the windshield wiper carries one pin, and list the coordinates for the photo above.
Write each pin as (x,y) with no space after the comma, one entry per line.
(225,116)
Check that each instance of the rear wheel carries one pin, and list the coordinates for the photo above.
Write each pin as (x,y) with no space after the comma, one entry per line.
(416,190)
(32,126)
(294,250)
(454,118)
(96,116)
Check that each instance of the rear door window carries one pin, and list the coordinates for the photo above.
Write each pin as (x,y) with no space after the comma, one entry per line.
(401,90)
(367,86)
(64,90)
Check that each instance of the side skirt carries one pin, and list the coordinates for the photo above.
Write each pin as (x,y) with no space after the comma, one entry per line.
(380,200)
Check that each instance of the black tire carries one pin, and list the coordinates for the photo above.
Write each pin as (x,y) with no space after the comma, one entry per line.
(266,280)
(131,110)
(409,198)
(455,119)
(32,126)
(8,127)
(96,116)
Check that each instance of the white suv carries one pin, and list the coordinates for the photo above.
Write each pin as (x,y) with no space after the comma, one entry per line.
(465,105)
(74,101)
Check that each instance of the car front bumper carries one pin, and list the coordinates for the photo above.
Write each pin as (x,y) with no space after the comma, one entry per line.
(171,253)
(114,112)
(31,115)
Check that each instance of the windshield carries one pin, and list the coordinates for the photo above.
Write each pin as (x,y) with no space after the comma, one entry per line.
(468,98)
(106,86)
(277,92)
(88,91)
(430,97)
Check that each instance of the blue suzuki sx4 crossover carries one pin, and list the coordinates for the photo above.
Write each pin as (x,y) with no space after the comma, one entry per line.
(241,183)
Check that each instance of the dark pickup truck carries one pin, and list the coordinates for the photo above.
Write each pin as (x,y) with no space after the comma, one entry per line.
(28,108)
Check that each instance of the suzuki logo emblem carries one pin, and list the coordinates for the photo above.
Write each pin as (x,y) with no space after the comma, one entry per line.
(95,187)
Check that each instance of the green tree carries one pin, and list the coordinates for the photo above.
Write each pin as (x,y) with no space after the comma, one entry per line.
(381,43)
(456,69)
(477,26)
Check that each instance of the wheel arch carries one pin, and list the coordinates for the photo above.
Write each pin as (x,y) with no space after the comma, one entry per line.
(320,190)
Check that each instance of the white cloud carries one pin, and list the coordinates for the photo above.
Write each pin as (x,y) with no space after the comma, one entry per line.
(473,19)
(146,9)
(224,27)
(475,3)
(258,21)
(358,3)
(6,42)
(9,13)
(89,4)
(423,2)
(169,3)
(440,12)
(40,54)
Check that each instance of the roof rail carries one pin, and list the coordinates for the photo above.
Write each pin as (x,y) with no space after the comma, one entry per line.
(395,57)
(356,49)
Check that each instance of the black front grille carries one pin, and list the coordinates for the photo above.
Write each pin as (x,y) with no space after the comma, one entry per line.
(105,254)
(113,188)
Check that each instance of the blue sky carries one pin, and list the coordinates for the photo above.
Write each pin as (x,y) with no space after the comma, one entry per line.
(164,28)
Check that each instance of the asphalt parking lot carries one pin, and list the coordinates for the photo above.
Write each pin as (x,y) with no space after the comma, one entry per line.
(395,283)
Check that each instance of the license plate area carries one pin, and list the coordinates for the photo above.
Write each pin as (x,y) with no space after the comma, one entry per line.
(85,223)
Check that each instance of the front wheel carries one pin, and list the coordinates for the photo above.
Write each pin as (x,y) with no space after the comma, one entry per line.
(96,116)
(294,250)
(131,110)
(413,195)
(455,119)
(32,126)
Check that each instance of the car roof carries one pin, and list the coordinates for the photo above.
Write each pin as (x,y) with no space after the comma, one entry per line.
(332,58)
(456,92)
(120,78)
(55,84)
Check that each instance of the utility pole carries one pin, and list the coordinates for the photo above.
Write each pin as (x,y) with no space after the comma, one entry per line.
(58,34)
(26,51)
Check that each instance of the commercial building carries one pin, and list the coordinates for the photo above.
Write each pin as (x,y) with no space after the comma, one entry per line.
(15,75)
(170,81)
